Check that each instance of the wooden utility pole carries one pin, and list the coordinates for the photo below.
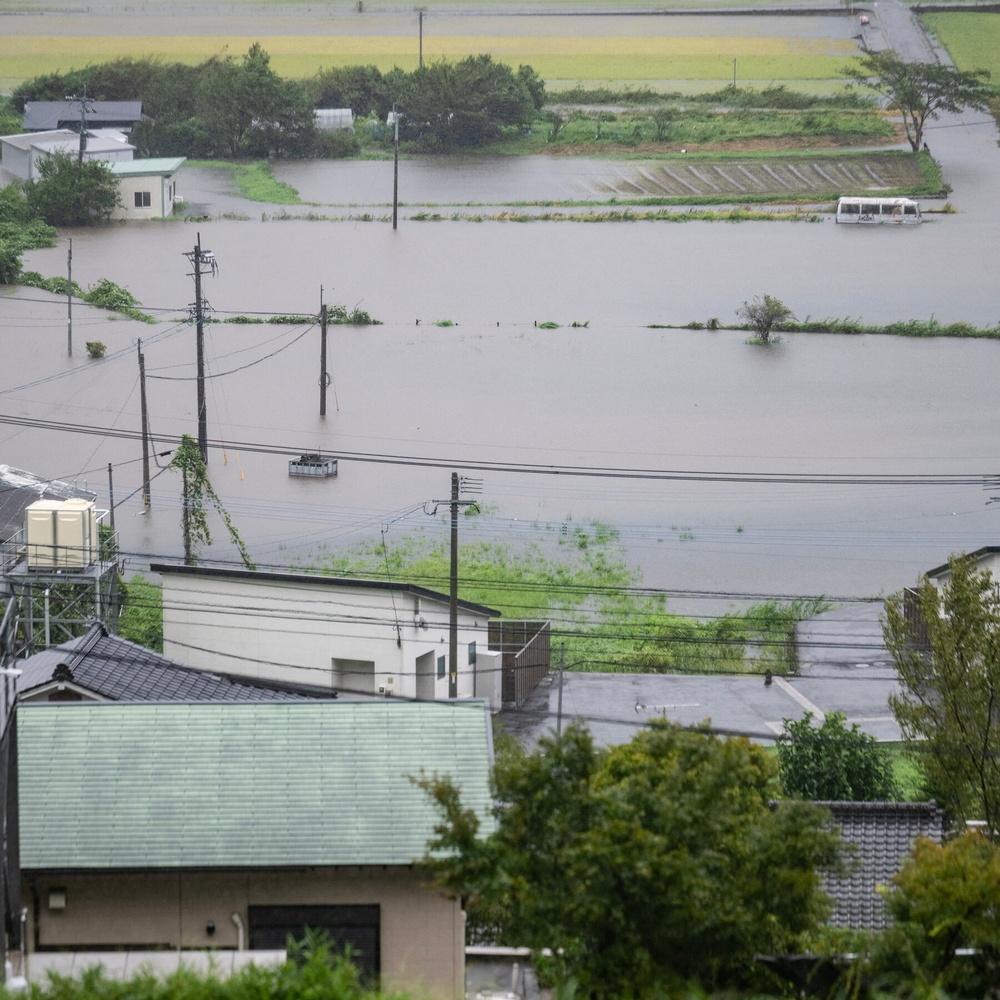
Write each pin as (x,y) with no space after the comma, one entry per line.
(69,299)
(146,499)
(324,378)
(420,13)
(395,167)
(201,258)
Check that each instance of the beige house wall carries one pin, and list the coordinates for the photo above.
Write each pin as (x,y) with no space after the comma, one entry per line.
(158,187)
(422,932)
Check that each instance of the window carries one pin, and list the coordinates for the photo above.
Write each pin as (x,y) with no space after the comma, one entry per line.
(472,653)
(441,670)
(142,199)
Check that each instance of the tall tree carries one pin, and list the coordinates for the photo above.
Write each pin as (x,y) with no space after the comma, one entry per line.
(919,91)
(197,490)
(644,865)
(833,762)
(949,696)
(68,193)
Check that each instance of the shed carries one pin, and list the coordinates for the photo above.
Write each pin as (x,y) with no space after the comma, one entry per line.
(334,119)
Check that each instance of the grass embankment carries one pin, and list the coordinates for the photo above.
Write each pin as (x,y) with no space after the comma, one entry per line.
(854,327)
(579,581)
(255,181)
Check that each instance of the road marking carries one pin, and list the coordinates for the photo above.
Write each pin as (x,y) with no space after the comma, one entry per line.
(800,698)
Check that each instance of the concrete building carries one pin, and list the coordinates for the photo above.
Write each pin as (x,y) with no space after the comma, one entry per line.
(359,638)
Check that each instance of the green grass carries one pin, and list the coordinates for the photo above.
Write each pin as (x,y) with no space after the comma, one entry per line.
(579,580)
(971,38)
(255,181)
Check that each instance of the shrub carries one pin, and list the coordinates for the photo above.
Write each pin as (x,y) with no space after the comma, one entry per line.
(336,145)
(96,349)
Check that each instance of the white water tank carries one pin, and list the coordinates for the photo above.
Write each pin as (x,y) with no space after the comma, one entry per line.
(61,534)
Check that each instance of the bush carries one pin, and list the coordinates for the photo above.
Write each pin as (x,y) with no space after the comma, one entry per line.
(96,349)
(336,145)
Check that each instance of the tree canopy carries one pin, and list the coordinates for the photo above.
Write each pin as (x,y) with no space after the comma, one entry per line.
(833,762)
(949,681)
(920,90)
(68,193)
(763,314)
(644,865)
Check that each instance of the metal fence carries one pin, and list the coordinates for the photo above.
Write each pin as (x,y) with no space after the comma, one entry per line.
(526,651)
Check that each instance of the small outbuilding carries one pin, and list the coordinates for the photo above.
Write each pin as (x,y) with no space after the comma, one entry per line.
(20,154)
(147,188)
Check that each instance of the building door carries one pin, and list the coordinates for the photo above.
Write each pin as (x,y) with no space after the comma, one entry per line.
(425,677)
(356,926)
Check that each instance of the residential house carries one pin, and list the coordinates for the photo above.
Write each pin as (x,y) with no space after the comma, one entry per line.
(232,826)
(20,155)
(360,638)
(147,188)
(43,116)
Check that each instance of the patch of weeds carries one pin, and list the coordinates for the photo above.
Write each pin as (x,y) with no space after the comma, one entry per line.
(547,325)
(686,536)
(96,349)
(445,322)
(427,217)
(580,326)
(713,323)
(695,325)
(740,528)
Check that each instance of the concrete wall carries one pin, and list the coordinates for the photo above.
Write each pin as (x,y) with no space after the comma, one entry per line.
(422,933)
(312,633)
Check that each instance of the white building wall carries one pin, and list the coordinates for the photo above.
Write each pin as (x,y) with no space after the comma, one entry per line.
(295,631)
(17,161)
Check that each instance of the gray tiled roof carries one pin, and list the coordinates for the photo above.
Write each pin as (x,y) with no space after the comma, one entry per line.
(39,116)
(161,786)
(115,669)
(883,834)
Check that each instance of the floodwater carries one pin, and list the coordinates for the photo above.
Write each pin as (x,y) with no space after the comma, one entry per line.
(615,397)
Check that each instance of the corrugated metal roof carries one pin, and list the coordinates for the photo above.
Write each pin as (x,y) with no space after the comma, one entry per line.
(155,167)
(111,786)
(42,115)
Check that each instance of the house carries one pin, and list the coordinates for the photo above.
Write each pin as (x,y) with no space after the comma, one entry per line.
(232,826)
(147,188)
(882,835)
(20,154)
(360,638)
(334,119)
(43,116)
(98,666)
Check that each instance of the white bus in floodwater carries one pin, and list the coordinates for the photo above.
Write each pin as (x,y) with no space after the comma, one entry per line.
(876,210)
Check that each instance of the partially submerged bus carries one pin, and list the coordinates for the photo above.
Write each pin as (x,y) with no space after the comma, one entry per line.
(875,210)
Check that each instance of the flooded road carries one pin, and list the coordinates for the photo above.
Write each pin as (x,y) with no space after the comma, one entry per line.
(495,389)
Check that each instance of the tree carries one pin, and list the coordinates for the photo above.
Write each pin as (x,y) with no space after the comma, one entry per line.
(763,314)
(833,762)
(949,696)
(197,488)
(642,866)
(945,898)
(68,193)
(466,103)
(919,91)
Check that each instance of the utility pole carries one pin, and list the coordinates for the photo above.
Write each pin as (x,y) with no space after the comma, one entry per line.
(453,595)
(201,258)
(85,104)
(324,377)
(420,14)
(146,499)
(395,167)
(111,496)
(69,299)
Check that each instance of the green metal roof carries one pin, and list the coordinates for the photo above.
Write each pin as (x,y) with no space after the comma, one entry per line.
(162,166)
(107,786)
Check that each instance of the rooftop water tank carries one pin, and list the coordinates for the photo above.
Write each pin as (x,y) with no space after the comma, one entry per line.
(61,534)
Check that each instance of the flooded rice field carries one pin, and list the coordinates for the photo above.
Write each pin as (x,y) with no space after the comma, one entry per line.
(660,433)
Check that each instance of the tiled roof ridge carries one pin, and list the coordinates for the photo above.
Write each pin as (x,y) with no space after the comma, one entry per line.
(930,806)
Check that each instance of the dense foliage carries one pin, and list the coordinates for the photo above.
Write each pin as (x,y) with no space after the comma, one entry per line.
(642,866)
(236,107)
(69,193)
(140,618)
(950,687)
(945,938)
(833,763)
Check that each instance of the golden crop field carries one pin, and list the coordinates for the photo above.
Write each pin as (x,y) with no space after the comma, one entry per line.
(601,58)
